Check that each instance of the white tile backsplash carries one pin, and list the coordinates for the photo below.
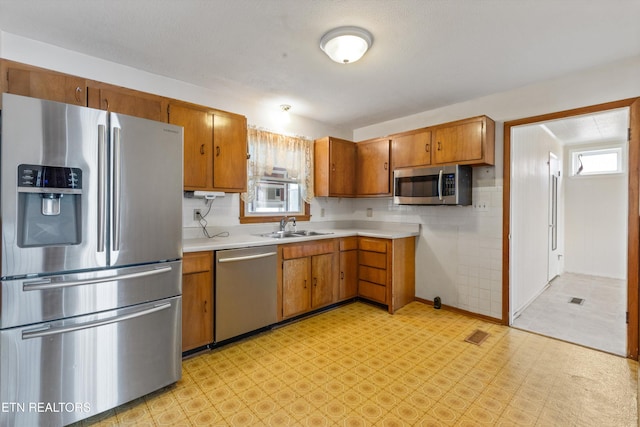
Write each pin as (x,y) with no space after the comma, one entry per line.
(458,254)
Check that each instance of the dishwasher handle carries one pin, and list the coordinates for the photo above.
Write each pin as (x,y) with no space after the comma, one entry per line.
(247,257)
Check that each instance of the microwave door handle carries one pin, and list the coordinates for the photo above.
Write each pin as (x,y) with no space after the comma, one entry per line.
(440,185)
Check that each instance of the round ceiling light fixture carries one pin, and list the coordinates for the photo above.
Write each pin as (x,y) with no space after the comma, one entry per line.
(346,44)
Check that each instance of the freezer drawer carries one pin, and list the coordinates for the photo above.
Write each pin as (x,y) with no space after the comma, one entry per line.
(43,299)
(56,373)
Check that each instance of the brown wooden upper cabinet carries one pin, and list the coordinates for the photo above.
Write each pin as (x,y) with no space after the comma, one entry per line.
(25,80)
(411,149)
(334,166)
(127,101)
(470,141)
(215,148)
(373,168)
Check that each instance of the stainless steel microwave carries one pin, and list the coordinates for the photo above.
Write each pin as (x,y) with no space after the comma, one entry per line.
(440,185)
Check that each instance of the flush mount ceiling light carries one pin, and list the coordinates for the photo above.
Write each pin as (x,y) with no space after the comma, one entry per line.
(346,44)
(285,107)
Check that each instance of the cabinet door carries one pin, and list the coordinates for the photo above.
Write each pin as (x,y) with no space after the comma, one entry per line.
(36,83)
(459,143)
(129,102)
(373,169)
(197,300)
(321,280)
(230,152)
(198,151)
(411,150)
(348,274)
(342,159)
(296,286)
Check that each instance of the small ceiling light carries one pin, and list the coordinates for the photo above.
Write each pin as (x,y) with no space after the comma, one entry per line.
(346,44)
(284,113)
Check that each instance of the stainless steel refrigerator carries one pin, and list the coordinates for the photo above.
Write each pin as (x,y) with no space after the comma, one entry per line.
(90,294)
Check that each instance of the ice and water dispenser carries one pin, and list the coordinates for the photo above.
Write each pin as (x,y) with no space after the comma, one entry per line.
(49,206)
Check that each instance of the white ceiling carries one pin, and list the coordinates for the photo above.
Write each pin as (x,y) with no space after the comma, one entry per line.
(606,126)
(426,53)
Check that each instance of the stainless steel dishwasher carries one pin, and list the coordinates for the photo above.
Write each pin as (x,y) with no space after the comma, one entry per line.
(246,290)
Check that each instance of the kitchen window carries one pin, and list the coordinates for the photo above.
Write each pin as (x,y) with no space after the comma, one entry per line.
(279,177)
(597,161)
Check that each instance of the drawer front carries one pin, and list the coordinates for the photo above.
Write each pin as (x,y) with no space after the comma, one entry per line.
(374,275)
(373,245)
(373,259)
(349,243)
(372,291)
(197,262)
(308,249)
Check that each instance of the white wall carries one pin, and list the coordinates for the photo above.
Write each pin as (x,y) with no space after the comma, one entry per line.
(530,147)
(458,255)
(20,49)
(596,223)
(459,251)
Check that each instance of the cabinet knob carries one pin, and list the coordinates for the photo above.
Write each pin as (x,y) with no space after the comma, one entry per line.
(439,146)
(315,281)
(386,165)
(202,149)
(333,167)
(106,104)
(342,275)
(217,150)
(77,94)
(426,147)
(305,283)
(205,306)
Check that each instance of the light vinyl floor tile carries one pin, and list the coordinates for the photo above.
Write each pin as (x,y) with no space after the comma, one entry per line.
(356,365)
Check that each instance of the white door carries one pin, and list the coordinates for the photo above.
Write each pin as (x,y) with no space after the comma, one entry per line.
(554,188)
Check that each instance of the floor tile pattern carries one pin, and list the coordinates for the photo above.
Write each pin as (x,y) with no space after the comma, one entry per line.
(359,366)
(599,322)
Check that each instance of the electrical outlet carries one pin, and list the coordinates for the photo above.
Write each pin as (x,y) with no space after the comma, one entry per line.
(197,214)
(481,206)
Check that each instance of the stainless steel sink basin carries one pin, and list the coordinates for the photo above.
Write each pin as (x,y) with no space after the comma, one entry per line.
(289,234)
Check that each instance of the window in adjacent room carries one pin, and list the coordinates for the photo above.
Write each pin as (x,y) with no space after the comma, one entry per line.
(597,161)
(279,177)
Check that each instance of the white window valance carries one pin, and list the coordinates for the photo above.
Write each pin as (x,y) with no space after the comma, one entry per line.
(270,150)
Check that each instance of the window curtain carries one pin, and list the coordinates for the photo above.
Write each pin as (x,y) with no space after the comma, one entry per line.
(268,150)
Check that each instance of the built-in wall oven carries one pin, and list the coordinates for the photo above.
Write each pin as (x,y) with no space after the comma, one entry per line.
(440,185)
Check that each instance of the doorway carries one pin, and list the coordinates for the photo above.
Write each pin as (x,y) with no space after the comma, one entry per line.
(516,265)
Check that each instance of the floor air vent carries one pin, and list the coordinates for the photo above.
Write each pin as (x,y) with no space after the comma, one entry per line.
(477,337)
(578,301)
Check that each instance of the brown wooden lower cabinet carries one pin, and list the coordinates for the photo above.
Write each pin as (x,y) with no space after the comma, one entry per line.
(197,300)
(386,271)
(308,277)
(348,285)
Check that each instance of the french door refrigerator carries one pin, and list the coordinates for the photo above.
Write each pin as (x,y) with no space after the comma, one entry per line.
(90,293)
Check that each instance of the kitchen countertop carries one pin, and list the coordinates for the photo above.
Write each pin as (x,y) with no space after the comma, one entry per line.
(246,236)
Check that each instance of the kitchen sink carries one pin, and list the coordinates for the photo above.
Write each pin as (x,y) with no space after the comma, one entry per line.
(289,234)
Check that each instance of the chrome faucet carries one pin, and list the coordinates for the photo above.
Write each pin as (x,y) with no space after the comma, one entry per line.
(284,221)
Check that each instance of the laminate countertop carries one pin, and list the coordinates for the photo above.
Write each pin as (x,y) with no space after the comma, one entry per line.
(248,236)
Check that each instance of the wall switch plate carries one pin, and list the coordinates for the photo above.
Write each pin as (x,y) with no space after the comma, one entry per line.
(369,212)
(481,206)
(197,214)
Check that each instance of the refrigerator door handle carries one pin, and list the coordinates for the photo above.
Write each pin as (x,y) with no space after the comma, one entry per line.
(45,284)
(102,183)
(47,330)
(117,164)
